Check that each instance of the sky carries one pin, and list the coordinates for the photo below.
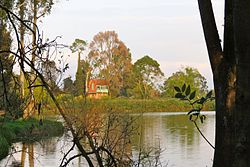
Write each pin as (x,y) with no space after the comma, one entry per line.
(169,31)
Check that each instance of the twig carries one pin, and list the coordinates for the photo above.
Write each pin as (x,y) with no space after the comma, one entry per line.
(202,134)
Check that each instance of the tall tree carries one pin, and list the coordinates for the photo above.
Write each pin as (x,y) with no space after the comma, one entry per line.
(110,59)
(188,75)
(231,75)
(38,8)
(22,8)
(8,95)
(147,73)
(32,11)
(79,46)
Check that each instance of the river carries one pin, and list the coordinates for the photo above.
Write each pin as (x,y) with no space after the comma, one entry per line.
(178,140)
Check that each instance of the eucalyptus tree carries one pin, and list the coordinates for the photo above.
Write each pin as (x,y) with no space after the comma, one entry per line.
(190,76)
(30,11)
(147,73)
(110,59)
(37,9)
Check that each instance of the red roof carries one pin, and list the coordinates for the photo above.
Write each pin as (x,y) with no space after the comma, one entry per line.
(99,81)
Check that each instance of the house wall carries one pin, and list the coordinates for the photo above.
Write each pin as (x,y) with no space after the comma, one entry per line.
(92,89)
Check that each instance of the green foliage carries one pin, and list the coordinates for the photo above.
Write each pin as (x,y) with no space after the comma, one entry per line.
(188,75)
(78,46)
(186,93)
(82,67)
(122,105)
(146,73)
(4,147)
(8,4)
(9,98)
(68,86)
(82,73)
(197,105)
(45,6)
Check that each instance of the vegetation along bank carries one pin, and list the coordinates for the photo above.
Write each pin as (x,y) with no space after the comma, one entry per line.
(29,130)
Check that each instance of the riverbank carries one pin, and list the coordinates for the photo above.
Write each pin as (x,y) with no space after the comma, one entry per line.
(130,105)
(26,130)
(147,105)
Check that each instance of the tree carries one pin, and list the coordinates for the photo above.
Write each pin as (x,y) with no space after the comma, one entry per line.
(68,86)
(147,73)
(22,9)
(82,77)
(9,101)
(79,46)
(231,75)
(188,75)
(110,59)
(37,9)
(51,74)
(30,10)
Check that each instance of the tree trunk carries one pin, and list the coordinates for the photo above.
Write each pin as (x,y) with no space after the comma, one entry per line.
(22,31)
(231,81)
(241,118)
(33,59)
(22,53)
(224,76)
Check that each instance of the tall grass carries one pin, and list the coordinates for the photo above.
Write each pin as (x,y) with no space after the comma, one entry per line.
(130,105)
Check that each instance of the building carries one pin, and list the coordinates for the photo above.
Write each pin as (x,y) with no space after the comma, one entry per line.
(97,88)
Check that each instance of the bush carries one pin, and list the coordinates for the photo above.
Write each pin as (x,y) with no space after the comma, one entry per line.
(4,147)
(7,134)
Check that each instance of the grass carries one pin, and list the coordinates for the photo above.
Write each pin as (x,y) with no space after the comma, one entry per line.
(26,130)
(130,105)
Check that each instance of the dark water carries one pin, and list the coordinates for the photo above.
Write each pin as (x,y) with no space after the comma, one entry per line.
(173,134)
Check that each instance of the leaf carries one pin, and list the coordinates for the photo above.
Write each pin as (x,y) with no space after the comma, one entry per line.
(179,95)
(183,87)
(192,95)
(188,90)
(177,89)
(209,94)
(201,118)
(202,100)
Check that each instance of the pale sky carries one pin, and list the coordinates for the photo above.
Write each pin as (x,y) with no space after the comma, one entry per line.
(169,31)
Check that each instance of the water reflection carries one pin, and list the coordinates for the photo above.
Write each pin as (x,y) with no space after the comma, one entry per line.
(180,141)
(27,150)
(174,134)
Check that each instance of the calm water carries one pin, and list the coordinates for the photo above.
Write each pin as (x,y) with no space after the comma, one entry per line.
(179,142)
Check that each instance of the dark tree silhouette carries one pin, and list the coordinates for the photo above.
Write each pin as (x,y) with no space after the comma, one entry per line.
(231,74)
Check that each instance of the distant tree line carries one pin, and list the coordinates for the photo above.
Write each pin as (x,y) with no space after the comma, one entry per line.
(110,59)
